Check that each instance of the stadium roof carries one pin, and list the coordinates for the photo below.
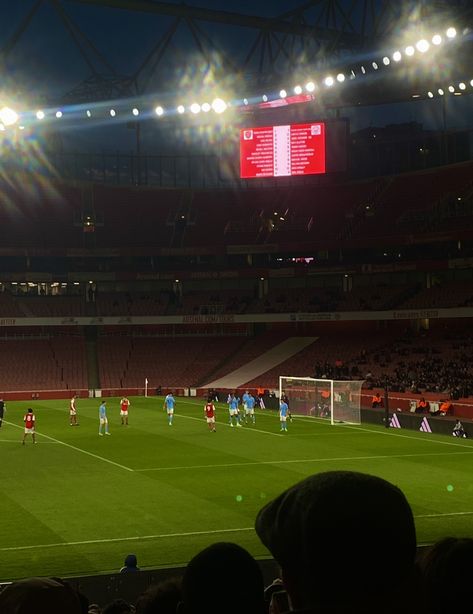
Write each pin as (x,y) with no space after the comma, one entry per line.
(76,51)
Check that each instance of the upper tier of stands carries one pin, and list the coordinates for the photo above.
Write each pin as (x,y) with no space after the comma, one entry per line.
(40,213)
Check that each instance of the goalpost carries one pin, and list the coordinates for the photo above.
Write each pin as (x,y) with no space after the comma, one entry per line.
(334,400)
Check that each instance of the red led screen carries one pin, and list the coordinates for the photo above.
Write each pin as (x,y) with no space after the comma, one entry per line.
(282,151)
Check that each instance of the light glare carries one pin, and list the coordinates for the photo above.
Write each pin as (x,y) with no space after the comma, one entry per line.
(329,81)
(440,91)
(206,107)
(340,77)
(298,90)
(39,114)
(422,45)
(219,105)
(113,112)
(386,61)
(282,94)
(451,33)
(58,114)
(436,39)
(8,116)
(397,56)
(195,108)
(430,94)
(180,109)
(462,86)
(310,86)
(410,50)
(159,111)
(135,112)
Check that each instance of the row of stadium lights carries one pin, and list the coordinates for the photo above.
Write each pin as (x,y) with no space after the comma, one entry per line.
(9,117)
(422,46)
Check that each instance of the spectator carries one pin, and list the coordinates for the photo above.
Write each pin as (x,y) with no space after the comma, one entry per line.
(446,570)
(41,595)
(131,564)
(223,578)
(376,400)
(160,599)
(338,537)
(118,606)
(422,406)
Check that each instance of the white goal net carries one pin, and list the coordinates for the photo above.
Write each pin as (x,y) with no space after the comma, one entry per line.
(335,400)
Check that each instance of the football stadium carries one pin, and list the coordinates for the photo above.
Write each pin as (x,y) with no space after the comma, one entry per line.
(236,306)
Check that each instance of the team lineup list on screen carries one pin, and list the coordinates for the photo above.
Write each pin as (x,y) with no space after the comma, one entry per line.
(282,151)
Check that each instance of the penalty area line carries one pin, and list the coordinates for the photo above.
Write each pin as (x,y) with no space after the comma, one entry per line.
(68,445)
(125,539)
(304,460)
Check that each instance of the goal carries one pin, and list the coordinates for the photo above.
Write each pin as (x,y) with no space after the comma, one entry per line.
(334,400)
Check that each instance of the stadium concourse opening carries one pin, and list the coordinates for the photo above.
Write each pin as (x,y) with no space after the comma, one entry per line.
(236,277)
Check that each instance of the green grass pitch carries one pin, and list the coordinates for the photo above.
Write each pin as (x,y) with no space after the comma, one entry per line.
(76,503)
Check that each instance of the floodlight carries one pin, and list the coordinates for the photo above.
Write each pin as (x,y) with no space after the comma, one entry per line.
(21,127)
(329,81)
(180,109)
(245,101)
(159,111)
(471,83)
(8,116)
(88,113)
(462,86)
(113,112)
(363,70)
(430,95)
(282,94)
(436,39)
(374,65)
(310,86)
(451,89)
(451,33)
(410,50)
(58,114)
(340,77)
(264,98)
(440,91)
(219,105)
(135,112)
(298,90)
(397,56)
(422,45)
(39,114)
(206,107)
(386,61)
(195,108)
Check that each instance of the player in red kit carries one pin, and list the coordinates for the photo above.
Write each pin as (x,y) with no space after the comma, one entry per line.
(124,405)
(73,411)
(29,419)
(209,411)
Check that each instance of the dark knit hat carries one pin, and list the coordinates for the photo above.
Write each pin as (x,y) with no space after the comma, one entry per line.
(340,530)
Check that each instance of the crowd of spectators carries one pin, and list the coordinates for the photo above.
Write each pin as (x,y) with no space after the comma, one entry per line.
(345,543)
(414,363)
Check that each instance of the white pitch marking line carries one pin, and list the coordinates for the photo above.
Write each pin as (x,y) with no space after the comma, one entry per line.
(441,515)
(125,539)
(393,433)
(306,460)
(68,445)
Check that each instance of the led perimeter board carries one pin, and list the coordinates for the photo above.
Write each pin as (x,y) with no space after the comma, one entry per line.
(282,151)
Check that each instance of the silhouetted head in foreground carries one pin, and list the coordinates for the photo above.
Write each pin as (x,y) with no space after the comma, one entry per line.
(41,595)
(447,568)
(222,578)
(345,542)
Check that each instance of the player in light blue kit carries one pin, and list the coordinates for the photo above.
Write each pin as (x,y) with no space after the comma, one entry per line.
(250,408)
(283,409)
(233,410)
(103,419)
(169,403)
